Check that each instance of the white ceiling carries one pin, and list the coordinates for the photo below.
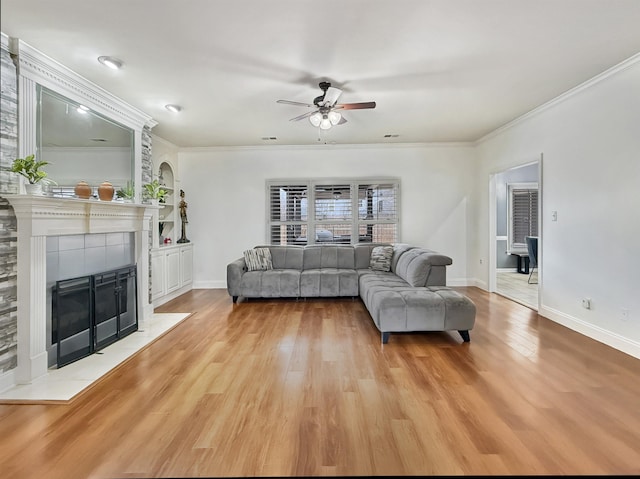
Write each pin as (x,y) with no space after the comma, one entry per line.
(439,70)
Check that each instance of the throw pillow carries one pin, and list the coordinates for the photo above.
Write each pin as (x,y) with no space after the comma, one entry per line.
(258,259)
(381,258)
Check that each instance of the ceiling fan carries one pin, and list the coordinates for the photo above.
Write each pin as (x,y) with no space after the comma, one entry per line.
(325,114)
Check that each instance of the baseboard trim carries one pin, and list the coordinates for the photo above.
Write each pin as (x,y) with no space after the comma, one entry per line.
(468,282)
(173,295)
(632,348)
(209,285)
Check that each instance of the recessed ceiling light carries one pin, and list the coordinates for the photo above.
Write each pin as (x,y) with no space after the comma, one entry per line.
(111,62)
(173,108)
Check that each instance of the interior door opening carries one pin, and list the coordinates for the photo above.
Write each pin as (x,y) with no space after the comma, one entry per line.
(515,233)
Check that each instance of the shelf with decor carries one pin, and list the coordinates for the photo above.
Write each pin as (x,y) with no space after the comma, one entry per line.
(171,263)
(166,213)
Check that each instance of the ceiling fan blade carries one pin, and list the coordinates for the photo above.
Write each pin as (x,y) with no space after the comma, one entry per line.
(304,115)
(296,103)
(342,121)
(331,96)
(355,106)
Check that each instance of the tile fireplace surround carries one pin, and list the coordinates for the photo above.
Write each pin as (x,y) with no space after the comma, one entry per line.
(40,217)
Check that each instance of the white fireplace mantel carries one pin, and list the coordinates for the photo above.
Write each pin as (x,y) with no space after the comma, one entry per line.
(42,216)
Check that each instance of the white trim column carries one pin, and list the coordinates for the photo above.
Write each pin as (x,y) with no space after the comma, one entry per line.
(32,296)
(27,119)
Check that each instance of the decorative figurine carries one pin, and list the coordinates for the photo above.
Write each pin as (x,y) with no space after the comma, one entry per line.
(183,217)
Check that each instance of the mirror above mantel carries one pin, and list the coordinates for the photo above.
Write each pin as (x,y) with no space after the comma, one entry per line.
(81,144)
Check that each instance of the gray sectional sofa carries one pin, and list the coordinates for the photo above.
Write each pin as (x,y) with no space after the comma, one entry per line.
(411,296)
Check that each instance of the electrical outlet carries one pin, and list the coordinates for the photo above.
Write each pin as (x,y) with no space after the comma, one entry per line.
(586,303)
(480,261)
(624,314)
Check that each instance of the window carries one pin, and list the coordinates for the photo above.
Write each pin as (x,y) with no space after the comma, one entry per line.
(334,211)
(523,214)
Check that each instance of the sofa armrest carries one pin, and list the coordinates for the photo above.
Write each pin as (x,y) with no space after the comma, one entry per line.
(422,267)
(235,270)
(437,259)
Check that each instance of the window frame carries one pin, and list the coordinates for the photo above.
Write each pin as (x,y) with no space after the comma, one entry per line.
(312,222)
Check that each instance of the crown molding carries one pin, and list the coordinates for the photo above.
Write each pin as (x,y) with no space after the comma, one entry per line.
(41,69)
(329,146)
(629,62)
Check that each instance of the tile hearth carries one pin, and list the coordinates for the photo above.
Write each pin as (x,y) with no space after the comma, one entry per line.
(65,383)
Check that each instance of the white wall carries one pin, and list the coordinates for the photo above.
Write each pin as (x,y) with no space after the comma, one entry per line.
(225,191)
(590,139)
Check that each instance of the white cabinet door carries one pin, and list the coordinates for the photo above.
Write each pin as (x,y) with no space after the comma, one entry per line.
(186,264)
(157,274)
(173,270)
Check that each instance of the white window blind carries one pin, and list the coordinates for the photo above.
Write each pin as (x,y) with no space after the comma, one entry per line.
(378,212)
(344,211)
(287,213)
(523,214)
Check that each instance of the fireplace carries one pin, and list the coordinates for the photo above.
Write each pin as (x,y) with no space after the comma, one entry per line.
(92,312)
(41,217)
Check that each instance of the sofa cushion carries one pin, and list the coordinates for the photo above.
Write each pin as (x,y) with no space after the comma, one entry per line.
(328,282)
(363,254)
(398,250)
(274,283)
(413,267)
(258,259)
(381,258)
(328,256)
(286,257)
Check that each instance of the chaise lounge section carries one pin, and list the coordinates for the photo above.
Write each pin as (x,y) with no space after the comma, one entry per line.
(405,292)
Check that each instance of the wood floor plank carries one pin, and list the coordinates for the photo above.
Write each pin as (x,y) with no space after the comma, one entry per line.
(306,388)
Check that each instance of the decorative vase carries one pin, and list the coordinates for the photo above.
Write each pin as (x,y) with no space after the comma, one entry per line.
(105,191)
(33,188)
(83,190)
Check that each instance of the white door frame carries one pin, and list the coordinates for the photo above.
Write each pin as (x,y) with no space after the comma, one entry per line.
(493,222)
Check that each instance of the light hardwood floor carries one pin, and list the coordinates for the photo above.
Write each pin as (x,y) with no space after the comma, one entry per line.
(516,287)
(286,388)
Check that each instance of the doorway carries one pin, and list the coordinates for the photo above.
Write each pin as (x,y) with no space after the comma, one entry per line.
(515,205)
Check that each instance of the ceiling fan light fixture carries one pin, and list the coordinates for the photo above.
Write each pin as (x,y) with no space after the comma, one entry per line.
(325,124)
(334,117)
(110,62)
(316,119)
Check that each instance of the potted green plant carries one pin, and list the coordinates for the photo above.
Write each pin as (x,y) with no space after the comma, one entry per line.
(31,170)
(126,192)
(154,191)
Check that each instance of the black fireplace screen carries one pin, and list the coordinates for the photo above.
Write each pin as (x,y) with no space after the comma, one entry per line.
(91,312)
